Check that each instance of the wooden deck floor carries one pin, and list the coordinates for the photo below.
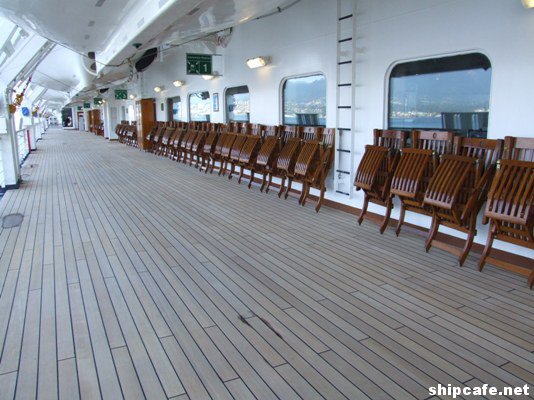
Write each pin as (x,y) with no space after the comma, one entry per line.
(132,276)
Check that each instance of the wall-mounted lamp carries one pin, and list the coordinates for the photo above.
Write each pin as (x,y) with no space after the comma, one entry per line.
(132,96)
(178,83)
(208,77)
(158,89)
(528,3)
(257,62)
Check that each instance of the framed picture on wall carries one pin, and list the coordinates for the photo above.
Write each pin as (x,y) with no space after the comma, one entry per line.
(215,102)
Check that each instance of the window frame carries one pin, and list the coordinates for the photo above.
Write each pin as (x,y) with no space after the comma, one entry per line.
(387,87)
(282,97)
(226,112)
(189,105)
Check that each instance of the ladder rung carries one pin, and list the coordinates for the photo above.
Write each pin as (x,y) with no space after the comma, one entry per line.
(344,40)
(345,193)
(344,84)
(344,62)
(343,129)
(343,150)
(343,172)
(345,17)
(344,107)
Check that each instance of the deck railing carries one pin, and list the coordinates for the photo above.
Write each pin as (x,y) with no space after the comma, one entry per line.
(23,144)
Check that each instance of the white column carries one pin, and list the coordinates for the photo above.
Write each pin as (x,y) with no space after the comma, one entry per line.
(8,145)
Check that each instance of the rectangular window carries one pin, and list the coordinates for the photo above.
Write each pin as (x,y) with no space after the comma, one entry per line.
(237,104)
(449,93)
(304,101)
(174,107)
(199,107)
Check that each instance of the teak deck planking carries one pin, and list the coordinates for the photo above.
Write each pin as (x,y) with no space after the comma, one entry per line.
(136,276)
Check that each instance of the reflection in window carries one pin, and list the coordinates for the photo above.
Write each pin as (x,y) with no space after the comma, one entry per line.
(175,108)
(199,106)
(238,104)
(449,93)
(304,101)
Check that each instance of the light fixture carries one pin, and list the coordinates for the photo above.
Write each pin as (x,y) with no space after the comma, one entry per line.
(208,77)
(257,62)
(132,96)
(528,3)
(178,83)
(157,89)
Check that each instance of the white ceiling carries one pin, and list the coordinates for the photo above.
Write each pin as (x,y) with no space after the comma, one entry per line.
(110,27)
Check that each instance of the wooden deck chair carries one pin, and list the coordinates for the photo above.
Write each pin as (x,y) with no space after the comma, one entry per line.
(290,136)
(235,152)
(156,138)
(313,165)
(376,169)
(458,189)
(307,134)
(186,138)
(416,168)
(226,149)
(164,142)
(217,151)
(509,207)
(188,144)
(267,155)
(176,142)
(249,152)
(197,147)
(209,148)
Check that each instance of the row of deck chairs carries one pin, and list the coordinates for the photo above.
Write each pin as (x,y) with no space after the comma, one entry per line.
(127,133)
(291,153)
(449,178)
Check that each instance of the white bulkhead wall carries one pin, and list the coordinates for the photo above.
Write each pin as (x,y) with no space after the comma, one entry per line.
(302,40)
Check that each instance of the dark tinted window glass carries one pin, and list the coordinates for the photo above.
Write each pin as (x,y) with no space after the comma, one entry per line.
(238,104)
(304,101)
(449,93)
(199,106)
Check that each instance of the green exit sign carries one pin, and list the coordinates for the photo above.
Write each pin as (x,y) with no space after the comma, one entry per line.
(97,101)
(121,94)
(198,64)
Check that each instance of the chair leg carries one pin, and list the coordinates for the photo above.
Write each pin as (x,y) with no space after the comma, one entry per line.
(531,279)
(269,183)
(364,208)
(401,219)
(242,170)
(282,186)
(432,232)
(321,197)
(251,178)
(263,181)
(289,182)
(385,222)
(469,240)
(303,192)
(487,249)
(232,170)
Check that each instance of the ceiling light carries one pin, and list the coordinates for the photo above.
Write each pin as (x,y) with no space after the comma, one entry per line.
(208,77)
(132,96)
(257,62)
(528,3)
(157,89)
(178,83)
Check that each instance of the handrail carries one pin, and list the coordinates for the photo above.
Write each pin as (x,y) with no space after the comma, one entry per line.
(23,144)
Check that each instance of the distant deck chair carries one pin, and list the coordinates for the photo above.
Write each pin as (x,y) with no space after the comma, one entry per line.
(458,189)
(310,135)
(188,145)
(313,164)
(509,207)
(226,149)
(267,155)
(285,163)
(376,169)
(197,147)
(209,148)
(176,142)
(235,152)
(164,142)
(416,168)
(249,152)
